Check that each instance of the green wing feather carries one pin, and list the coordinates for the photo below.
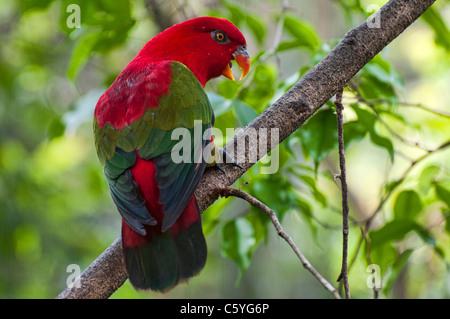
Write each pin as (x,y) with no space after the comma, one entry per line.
(151,137)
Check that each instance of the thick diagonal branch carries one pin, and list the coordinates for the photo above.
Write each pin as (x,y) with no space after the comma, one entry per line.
(287,114)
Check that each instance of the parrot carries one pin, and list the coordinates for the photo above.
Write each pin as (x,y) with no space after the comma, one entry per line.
(158,92)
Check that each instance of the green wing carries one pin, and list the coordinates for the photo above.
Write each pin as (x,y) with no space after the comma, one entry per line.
(151,137)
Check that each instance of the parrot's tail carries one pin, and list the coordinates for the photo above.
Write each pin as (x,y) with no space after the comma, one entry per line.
(160,260)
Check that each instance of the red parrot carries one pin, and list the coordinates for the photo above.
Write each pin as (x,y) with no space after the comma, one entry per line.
(161,90)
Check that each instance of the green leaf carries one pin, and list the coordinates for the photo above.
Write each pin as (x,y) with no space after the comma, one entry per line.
(56,128)
(407,205)
(228,89)
(397,230)
(382,254)
(238,240)
(244,113)
(447,222)
(396,269)
(237,14)
(318,136)
(311,183)
(425,235)
(262,87)
(367,120)
(282,200)
(257,27)
(429,239)
(303,32)
(304,207)
(442,34)
(219,104)
(353,131)
(426,178)
(443,192)
(383,142)
(378,72)
(378,79)
(81,52)
(392,231)
(365,117)
(384,72)
(259,226)
(104,25)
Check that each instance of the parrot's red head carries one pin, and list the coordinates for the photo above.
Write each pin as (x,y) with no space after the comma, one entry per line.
(205,45)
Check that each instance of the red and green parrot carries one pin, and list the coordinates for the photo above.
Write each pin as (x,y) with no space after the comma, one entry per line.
(159,91)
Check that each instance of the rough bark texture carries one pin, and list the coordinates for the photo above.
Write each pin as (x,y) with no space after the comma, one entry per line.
(357,48)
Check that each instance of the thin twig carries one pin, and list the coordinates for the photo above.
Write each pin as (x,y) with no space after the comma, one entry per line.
(343,177)
(371,103)
(425,108)
(229,191)
(406,104)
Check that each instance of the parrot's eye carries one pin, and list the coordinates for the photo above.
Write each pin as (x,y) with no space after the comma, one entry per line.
(219,36)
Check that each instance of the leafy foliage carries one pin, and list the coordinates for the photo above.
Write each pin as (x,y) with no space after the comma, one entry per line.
(56,208)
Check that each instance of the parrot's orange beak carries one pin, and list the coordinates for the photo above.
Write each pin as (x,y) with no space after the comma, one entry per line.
(243,60)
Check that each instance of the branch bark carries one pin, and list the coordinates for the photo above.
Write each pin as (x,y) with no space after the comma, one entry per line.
(287,114)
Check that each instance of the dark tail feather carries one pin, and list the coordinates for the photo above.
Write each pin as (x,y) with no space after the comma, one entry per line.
(161,260)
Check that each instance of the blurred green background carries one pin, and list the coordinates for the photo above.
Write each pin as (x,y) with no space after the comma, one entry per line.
(55,206)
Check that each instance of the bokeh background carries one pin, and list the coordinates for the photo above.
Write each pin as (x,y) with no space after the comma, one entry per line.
(55,209)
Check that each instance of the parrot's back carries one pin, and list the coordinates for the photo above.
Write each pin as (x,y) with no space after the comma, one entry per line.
(134,123)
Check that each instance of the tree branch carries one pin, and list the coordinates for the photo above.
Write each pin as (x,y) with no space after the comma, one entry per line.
(229,191)
(287,114)
(343,177)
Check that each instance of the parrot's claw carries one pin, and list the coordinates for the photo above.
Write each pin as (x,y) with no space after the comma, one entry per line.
(220,168)
(229,159)
(221,156)
(237,164)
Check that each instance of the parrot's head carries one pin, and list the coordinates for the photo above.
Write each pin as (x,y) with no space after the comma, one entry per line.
(206,45)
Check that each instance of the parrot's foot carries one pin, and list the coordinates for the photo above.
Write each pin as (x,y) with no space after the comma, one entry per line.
(223,157)
(228,158)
